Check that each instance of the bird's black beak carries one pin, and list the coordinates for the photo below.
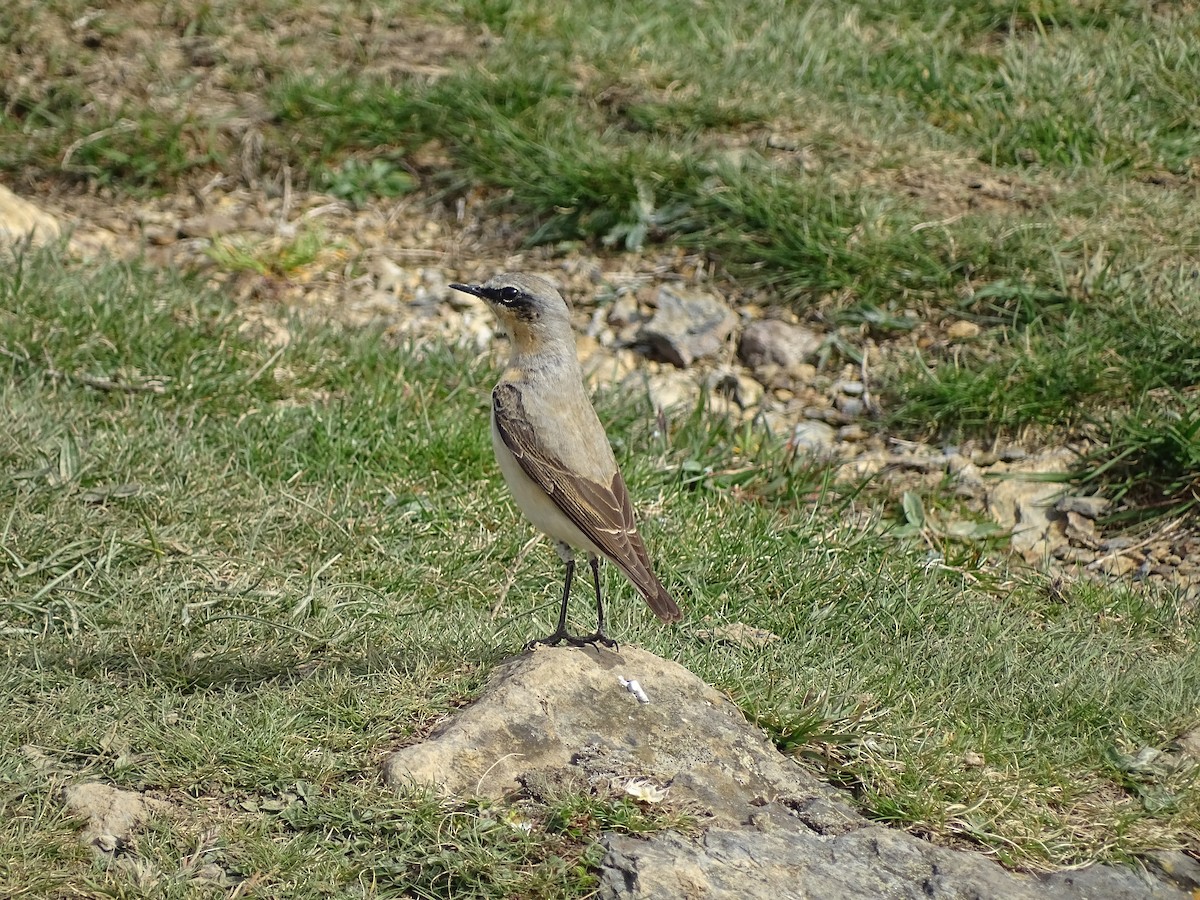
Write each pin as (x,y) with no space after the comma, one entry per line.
(474,289)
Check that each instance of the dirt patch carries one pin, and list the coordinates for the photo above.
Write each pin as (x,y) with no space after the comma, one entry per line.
(181,54)
(111,815)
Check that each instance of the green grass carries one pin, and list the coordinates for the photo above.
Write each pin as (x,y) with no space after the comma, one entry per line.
(236,575)
(1016,88)
(240,589)
(1068,358)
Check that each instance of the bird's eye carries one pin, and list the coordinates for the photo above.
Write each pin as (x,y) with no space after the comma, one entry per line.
(510,296)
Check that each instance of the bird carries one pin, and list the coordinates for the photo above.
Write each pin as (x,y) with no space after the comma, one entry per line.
(554,454)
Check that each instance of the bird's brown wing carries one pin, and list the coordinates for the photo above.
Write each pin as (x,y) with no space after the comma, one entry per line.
(602,512)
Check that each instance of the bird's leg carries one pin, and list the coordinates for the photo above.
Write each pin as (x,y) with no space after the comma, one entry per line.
(560,633)
(599,637)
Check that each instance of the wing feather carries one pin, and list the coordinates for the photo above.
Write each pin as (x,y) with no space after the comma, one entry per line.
(602,512)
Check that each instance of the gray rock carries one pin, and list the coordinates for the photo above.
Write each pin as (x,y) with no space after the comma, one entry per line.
(812,436)
(741,389)
(771,830)
(769,342)
(1091,507)
(669,389)
(790,860)
(851,407)
(555,711)
(1175,866)
(687,326)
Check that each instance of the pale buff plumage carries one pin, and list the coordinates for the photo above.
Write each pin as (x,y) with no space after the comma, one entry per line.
(552,449)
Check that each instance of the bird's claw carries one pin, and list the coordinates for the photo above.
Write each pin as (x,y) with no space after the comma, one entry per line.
(589,640)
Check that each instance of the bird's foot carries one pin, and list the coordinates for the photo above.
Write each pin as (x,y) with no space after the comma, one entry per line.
(595,639)
(552,641)
(589,640)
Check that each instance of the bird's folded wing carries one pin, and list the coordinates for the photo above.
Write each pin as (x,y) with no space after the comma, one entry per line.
(602,512)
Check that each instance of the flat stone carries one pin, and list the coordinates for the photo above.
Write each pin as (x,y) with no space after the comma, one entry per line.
(687,326)
(771,342)
(789,860)
(1092,507)
(770,830)
(565,709)
(812,436)
(21,220)
(669,389)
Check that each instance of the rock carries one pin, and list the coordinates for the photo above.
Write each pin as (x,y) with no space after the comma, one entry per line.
(392,279)
(962,330)
(112,814)
(1176,866)
(1080,556)
(20,220)
(1081,530)
(434,288)
(770,342)
(737,634)
(667,390)
(1093,507)
(603,367)
(1116,566)
(789,859)
(770,829)
(208,226)
(625,311)
(741,389)
(687,326)
(1189,743)
(812,436)
(968,477)
(555,710)
(853,432)
(802,373)
(1024,506)
(850,407)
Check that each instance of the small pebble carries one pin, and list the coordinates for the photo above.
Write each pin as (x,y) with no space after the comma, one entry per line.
(850,406)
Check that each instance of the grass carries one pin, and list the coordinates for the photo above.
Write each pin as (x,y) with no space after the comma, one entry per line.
(240,589)
(235,575)
(628,172)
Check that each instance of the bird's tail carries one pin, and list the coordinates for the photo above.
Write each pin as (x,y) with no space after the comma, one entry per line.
(656,595)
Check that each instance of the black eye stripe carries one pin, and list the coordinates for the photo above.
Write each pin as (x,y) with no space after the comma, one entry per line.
(511,296)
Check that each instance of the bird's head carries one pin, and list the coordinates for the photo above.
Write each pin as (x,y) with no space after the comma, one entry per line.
(529,308)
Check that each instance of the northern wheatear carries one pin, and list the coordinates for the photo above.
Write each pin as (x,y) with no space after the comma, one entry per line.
(553,451)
